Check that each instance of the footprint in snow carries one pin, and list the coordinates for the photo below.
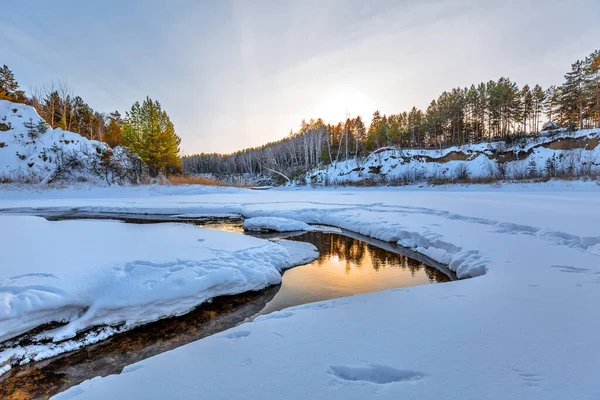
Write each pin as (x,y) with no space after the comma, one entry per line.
(374,373)
(237,334)
(571,270)
(453,295)
(529,379)
(246,362)
(274,315)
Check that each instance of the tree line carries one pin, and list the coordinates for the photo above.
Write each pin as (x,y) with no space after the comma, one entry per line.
(482,112)
(146,128)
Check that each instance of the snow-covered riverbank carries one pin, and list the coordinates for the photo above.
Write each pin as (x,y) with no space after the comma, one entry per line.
(91,273)
(524,329)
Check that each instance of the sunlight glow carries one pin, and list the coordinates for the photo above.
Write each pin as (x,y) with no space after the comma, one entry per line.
(342,101)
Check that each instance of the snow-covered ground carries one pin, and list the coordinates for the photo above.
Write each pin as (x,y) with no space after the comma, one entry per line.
(523,328)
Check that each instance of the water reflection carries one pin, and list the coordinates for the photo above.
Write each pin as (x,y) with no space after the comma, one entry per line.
(43,379)
(348,266)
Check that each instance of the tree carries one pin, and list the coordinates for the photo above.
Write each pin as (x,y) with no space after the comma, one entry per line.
(573,95)
(114,130)
(9,87)
(148,131)
(552,102)
(359,134)
(593,71)
(539,96)
(527,110)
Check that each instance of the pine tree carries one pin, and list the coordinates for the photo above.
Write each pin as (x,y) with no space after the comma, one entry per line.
(532,168)
(527,100)
(9,87)
(593,71)
(539,96)
(552,102)
(359,127)
(148,131)
(551,165)
(113,131)
(573,95)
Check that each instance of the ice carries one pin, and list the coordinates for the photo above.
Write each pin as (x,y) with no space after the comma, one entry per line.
(521,327)
(276,224)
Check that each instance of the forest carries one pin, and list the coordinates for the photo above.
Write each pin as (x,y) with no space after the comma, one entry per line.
(488,111)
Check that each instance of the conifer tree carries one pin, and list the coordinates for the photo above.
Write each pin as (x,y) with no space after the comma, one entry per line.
(539,96)
(552,102)
(114,131)
(148,131)
(573,95)
(9,87)
(527,110)
(593,70)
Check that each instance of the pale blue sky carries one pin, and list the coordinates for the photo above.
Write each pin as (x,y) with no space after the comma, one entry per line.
(234,74)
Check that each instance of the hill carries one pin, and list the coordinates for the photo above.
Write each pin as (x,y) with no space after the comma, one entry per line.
(32,152)
(557,153)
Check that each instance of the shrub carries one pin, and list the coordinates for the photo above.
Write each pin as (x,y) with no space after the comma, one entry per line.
(462,172)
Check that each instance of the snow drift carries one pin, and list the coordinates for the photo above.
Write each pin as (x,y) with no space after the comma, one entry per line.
(276,224)
(59,271)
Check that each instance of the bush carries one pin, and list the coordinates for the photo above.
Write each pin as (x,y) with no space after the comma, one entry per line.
(462,172)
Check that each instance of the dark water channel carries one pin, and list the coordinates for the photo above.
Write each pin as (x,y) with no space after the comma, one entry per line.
(348,264)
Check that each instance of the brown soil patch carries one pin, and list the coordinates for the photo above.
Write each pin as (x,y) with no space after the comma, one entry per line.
(572,143)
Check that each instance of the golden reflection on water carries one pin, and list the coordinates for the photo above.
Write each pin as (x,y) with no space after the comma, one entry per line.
(345,267)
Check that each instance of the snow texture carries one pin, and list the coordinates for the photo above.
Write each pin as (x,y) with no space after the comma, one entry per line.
(31,152)
(523,328)
(90,273)
(276,224)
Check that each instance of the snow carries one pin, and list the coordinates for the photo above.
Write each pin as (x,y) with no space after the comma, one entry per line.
(90,273)
(276,224)
(478,160)
(34,158)
(523,327)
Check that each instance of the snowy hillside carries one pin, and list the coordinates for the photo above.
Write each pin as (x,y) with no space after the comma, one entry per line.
(549,154)
(32,152)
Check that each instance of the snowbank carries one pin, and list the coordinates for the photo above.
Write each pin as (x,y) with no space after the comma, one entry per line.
(524,330)
(276,224)
(90,273)
(32,152)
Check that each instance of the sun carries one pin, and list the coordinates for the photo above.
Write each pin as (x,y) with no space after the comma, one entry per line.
(343,101)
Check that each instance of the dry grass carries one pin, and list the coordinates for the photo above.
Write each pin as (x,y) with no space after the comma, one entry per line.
(194,180)
(200,180)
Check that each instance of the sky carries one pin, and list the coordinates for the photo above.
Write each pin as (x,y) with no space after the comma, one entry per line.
(239,73)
